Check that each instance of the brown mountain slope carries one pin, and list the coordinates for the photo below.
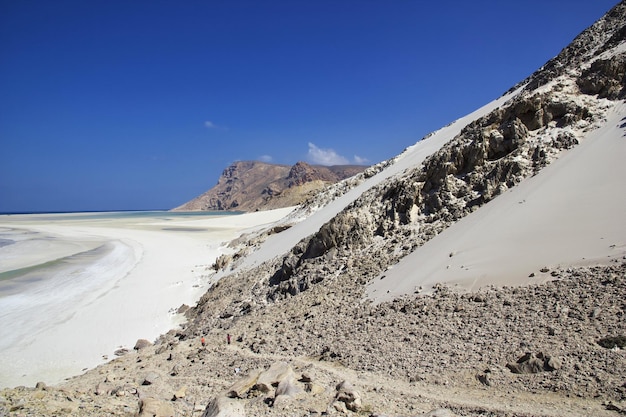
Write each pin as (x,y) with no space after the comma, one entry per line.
(253,185)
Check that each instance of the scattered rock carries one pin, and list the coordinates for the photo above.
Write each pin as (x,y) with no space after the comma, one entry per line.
(142,344)
(612,342)
(440,412)
(224,407)
(478,298)
(16,407)
(151,407)
(240,388)
(313,388)
(484,379)
(347,395)
(150,378)
(595,313)
(175,369)
(340,407)
(103,388)
(270,378)
(40,395)
(532,364)
(287,386)
(181,393)
(120,352)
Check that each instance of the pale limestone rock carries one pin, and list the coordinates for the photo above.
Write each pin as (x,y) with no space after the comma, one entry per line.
(272,377)
(288,387)
(150,378)
(224,407)
(142,344)
(349,396)
(103,388)
(440,412)
(182,391)
(241,387)
(151,407)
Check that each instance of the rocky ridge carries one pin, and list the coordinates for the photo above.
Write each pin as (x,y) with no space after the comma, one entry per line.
(253,185)
(489,156)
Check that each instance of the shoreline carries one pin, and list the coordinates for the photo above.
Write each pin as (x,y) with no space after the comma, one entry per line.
(151,267)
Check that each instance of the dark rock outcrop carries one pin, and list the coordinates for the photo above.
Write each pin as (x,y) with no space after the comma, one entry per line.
(533,364)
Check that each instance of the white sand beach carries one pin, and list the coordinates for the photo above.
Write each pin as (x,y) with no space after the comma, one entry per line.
(143,269)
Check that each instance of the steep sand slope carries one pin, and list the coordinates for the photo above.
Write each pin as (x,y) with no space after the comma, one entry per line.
(571,213)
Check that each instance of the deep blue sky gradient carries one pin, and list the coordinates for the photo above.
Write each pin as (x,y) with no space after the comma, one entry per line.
(140,104)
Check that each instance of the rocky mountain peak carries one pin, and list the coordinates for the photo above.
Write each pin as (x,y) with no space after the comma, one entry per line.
(254,185)
(604,34)
(302,172)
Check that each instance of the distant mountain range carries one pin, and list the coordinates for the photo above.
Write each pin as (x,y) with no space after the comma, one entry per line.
(254,185)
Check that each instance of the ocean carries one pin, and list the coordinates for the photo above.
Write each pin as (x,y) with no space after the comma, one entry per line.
(111,277)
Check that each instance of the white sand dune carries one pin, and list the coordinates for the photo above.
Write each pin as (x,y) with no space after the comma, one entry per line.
(55,328)
(572,213)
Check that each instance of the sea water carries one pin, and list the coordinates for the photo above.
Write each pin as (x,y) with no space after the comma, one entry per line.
(44,270)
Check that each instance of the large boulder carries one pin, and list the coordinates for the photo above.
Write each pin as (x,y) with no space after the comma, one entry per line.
(533,364)
(240,388)
(349,396)
(150,378)
(288,387)
(224,407)
(151,407)
(272,377)
(142,344)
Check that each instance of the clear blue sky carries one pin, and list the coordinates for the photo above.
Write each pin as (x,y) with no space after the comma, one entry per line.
(140,104)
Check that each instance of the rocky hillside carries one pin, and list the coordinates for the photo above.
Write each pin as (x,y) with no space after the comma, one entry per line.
(296,335)
(553,111)
(253,185)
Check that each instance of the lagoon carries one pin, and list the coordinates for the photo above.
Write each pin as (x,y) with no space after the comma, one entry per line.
(75,287)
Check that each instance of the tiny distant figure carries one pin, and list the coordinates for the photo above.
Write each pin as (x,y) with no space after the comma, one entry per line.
(203,341)
(228,338)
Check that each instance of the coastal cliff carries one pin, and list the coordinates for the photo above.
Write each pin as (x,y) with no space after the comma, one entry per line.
(254,185)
